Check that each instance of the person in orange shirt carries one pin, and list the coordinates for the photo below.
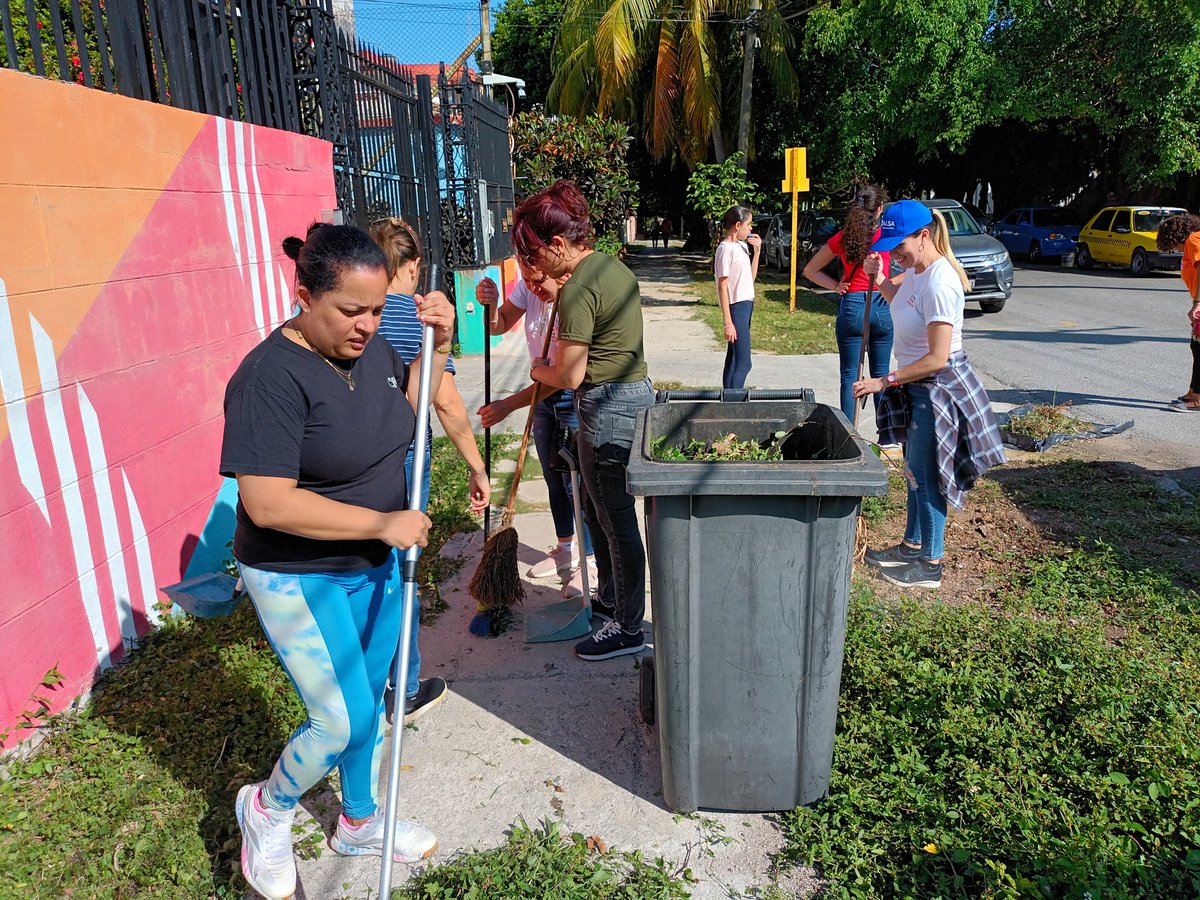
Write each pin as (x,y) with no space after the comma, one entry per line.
(1182,232)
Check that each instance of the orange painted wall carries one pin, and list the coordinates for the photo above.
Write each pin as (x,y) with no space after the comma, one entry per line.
(139,261)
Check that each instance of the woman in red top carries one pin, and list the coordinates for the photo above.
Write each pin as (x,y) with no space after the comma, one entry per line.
(851,245)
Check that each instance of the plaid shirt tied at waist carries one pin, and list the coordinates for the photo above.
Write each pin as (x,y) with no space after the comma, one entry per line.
(968,438)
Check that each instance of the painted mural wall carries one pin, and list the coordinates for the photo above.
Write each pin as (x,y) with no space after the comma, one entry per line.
(139,262)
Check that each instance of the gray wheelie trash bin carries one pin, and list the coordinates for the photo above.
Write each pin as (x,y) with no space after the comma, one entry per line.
(750,579)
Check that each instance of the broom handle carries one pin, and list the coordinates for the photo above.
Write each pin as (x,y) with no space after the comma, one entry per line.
(537,396)
(400,674)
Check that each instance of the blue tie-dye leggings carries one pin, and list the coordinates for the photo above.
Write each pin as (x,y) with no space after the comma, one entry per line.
(335,635)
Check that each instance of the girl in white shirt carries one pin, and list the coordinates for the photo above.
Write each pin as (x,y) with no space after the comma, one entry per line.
(735,272)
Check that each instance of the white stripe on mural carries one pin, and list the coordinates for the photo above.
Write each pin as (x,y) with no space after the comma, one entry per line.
(141,549)
(264,237)
(239,150)
(289,305)
(16,408)
(68,479)
(109,532)
(227,189)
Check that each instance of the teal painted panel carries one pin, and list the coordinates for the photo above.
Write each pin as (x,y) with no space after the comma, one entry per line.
(471,314)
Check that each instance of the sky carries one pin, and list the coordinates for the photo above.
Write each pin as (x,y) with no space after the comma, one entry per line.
(420,31)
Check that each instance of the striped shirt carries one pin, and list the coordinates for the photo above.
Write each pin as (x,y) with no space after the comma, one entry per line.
(401,328)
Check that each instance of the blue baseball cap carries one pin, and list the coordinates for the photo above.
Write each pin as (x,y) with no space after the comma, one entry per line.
(900,220)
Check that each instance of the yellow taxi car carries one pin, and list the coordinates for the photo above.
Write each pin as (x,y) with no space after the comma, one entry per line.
(1124,236)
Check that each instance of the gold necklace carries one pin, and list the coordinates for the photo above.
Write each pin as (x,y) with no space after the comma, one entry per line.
(347,377)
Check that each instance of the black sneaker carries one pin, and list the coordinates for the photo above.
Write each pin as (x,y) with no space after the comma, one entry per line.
(430,693)
(919,574)
(893,557)
(610,641)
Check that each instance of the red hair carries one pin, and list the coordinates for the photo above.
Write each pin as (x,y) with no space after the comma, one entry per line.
(560,210)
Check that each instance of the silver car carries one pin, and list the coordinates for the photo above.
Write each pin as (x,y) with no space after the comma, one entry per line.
(985,259)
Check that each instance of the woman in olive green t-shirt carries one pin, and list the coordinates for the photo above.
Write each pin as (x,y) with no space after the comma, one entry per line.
(600,358)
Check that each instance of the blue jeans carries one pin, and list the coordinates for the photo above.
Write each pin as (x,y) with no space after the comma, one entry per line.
(849,337)
(558,408)
(926,523)
(334,635)
(737,354)
(606,416)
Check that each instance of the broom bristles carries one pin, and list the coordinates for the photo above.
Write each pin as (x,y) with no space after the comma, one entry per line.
(496,584)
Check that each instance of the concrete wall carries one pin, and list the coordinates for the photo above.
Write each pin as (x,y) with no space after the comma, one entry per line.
(139,262)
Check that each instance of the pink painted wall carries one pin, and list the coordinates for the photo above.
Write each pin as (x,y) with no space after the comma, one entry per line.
(139,262)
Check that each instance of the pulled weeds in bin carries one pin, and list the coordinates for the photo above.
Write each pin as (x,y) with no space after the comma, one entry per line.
(724,449)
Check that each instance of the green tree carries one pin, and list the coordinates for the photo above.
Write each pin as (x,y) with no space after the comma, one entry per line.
(590,152)
(1120,76)
(713,189)
(669,68)
(523,43)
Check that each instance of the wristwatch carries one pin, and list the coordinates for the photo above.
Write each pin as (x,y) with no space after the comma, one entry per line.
(890,380)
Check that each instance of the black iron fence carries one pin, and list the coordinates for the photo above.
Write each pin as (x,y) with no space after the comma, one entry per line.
(398,149)
(477,176)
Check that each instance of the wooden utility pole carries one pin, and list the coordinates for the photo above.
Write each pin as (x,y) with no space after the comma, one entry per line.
(485,35)
(751,45)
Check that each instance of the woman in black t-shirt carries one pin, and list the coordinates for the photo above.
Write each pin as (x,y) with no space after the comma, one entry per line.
(318,419)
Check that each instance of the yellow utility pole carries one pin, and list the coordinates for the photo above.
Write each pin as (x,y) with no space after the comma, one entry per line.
(795,180)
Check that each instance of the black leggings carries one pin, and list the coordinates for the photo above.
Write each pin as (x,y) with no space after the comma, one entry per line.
(1195,366)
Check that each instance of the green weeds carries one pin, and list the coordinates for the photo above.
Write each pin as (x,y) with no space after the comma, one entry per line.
(543,862)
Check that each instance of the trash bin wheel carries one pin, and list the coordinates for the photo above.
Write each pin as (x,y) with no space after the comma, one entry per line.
(647,691)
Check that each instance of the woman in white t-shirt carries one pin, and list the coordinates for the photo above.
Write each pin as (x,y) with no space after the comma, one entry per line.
(941,413)
(735,271)
(533,299)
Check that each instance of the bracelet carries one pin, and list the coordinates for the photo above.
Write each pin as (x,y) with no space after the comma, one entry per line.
(445,349)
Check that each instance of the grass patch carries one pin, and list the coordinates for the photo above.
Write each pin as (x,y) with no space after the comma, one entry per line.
(134,796)
(1045,419)
(983,755)
(542,862)
(1111,504)
(775,329)
(506,445)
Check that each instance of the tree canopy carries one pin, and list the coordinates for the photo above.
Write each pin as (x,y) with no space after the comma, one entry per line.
(933,73)
(523,41)
(669,68)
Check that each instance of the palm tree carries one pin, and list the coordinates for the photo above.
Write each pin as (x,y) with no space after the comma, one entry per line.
(666,67)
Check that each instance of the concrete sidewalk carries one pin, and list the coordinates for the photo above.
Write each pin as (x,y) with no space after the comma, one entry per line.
(530,731)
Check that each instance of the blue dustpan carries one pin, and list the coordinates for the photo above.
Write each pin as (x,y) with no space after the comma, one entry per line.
(208,596)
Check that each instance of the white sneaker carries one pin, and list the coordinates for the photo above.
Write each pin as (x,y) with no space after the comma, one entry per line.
(574,587)
(556,562)
(268,863)
(413,842)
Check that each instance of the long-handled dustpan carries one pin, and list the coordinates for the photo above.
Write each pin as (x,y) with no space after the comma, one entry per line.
(411,556)
(567,620)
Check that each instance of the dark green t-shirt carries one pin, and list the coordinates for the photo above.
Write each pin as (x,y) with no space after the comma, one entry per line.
(601,306)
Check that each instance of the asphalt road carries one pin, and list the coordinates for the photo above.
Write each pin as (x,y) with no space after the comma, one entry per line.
(1113,345)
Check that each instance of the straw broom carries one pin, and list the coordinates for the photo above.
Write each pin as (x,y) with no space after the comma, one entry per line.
(496,585)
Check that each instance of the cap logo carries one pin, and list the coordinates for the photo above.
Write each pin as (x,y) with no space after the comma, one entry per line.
(888,223)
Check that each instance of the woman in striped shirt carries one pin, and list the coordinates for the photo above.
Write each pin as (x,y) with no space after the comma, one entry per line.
(401,328)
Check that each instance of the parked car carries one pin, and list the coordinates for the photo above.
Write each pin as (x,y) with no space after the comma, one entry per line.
(984,219)
(1039,231)
(814,228)
(1125,236)
(987,263)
